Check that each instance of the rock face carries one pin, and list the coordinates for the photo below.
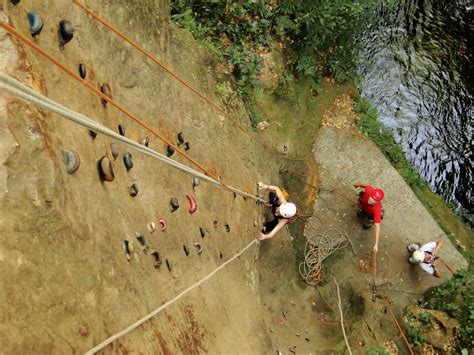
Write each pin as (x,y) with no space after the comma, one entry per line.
(441,331)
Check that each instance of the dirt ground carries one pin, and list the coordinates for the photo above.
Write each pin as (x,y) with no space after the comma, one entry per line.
(66,284)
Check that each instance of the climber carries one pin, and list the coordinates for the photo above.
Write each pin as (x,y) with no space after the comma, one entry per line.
(283,211)
(426,256)
(370,209)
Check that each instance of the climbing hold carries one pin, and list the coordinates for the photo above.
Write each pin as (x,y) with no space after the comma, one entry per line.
(127,161)
(292,349)
(72,160)
(221,255)
(92,134)
(145,141)
(142,242)
(195,182)
(65,32)
(105,89)
(227,227)
(133,190)
(36,23)
(115,149)
(202,231)
(82,71)
(192,204)
(163,224)
(174,204)
(15,2)
(235,195)
(181,139)
(127,249)
(215,223)
(157,260)
(198,247)
(106,170)
(121,130)
(169,151)
(168,265)
(186,250)
(151,227)
(186,146)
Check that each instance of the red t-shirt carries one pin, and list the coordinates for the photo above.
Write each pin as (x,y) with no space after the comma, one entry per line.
(374,211)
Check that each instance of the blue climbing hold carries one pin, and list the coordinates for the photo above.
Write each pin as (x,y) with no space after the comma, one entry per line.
(36,23)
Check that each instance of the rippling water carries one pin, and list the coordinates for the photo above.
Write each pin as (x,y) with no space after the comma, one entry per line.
(417,71)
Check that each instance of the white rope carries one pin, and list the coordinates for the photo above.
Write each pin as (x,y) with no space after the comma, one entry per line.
(25,93)
(317,248)
(163,306)
(342,317)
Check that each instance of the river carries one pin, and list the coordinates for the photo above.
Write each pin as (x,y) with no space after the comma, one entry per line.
(416,69)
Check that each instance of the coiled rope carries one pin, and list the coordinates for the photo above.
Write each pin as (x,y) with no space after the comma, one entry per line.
(178,78)
(317,249)
(25,93)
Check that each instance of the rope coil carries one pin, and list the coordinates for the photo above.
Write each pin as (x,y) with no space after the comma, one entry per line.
(317,249)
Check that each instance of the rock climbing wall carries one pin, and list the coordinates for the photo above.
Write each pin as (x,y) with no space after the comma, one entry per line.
(73,270)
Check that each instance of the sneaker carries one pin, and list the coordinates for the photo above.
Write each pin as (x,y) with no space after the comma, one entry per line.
(413,247)
(411,260)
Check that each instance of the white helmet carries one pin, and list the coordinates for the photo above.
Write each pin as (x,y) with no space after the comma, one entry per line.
(419,255)
(287,209)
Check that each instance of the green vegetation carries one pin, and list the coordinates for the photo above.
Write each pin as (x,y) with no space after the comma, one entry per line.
(318,37)
(377,351)
(456,298)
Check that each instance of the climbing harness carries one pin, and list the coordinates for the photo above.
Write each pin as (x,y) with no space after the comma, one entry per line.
(317,249)
(178,78)
(23,92)
(166,304)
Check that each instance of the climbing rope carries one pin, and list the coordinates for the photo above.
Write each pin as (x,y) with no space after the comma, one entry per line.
(163,306)
(317,249)
(25,93)
(342,316)
(108,99)
(178,78)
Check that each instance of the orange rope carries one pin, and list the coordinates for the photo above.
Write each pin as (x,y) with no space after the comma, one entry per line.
(169,71)
(114,103)
(398,325)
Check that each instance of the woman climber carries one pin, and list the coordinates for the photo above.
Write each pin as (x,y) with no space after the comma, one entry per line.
(283,211)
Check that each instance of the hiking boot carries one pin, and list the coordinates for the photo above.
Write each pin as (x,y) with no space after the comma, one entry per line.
(413,247)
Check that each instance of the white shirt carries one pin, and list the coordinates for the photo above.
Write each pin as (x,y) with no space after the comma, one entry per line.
(428,265)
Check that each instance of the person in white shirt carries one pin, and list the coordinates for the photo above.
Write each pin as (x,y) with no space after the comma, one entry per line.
(426,256)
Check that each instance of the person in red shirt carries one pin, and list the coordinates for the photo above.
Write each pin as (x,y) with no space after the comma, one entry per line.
(370,208)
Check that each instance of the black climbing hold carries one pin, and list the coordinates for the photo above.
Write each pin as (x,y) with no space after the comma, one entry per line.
(235,195)
(105,89)
(181,138)
(157,260)
(72,160)
(133,190)
(92,134)
(221,255)
(186,146)
(65,32)
(169,151)
(145,141)
(15,2)
(202,231)
(168,265)
(121,130)
(227,228)
(174,204)
(106,170)
(127,161)
(82,71)
(36,23)
(186,250)
(215,223)
(127,249)
(115,150)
